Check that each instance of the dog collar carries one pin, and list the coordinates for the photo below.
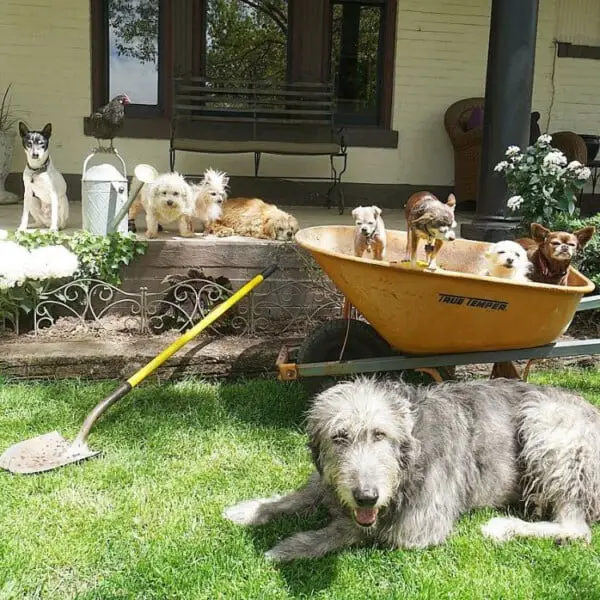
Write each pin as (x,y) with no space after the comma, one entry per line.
(546,269)
(39,170)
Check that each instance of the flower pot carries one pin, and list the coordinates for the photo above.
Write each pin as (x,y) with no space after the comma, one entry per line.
(7,145)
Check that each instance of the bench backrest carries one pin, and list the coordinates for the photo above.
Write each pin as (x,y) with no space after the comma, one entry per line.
(199,99)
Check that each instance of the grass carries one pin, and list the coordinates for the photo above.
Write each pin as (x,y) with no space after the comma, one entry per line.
(144,520)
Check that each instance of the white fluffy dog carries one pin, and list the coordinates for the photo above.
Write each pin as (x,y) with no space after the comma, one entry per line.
(167,199)
(209,196)
(507,260)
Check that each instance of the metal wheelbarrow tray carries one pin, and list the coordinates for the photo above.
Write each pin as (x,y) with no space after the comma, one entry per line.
(448,317)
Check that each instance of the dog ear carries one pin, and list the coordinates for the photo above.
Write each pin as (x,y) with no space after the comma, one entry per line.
(539,233)
(47,131)
(355,212)
(584,235)
(407,451)
(23,129)
(315,452)
(269,228)
(451,202)
(377,211)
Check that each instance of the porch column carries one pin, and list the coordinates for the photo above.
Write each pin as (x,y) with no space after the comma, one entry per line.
(508,91)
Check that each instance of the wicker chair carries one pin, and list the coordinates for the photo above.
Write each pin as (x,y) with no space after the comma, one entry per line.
(467,146)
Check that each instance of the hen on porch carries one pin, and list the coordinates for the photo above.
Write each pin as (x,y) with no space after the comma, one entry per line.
(108,119)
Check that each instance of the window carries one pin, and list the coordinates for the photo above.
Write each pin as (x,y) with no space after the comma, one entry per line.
(246,39)
(357,59)
(133,41)
(139,45)
(130,54)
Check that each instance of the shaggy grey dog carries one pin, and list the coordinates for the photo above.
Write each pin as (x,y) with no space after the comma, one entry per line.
(397,465)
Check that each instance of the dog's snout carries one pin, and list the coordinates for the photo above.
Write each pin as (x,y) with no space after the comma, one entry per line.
(289,234)
(365,496)
(510,260)
(35,155)
(364,229)
(451,236)
(169,202)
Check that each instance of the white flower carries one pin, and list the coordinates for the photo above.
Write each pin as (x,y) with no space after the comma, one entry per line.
(512,150)
(545,138)
(13,264)
(51,262)
(583,173)
(514,202)
(574,165)
(3,234)
(501,166)
(555,158)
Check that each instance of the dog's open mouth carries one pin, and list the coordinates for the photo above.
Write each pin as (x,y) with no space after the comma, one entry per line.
(365,517)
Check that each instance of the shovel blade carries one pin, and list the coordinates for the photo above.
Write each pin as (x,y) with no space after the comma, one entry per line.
(43,453)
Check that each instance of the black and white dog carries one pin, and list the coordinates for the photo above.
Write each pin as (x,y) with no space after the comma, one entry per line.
(45,188)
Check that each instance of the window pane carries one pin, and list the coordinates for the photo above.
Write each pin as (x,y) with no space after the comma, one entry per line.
(246,39)
(133,48)
(355,59)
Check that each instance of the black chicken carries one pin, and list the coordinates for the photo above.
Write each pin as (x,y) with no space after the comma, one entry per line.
(108,119)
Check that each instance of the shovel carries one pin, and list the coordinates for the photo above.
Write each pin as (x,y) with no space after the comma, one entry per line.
(52,450)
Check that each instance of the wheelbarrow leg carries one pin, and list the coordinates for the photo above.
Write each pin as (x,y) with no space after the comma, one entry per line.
(440,374)
(507,370)
(346,309)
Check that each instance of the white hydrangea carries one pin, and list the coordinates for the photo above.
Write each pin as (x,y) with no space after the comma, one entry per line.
(545,138)
(574,165)
(13,262)
(17,264)
(513,151)
(583,173)
(555,158)
(501,166)
(514,202)
(51,262)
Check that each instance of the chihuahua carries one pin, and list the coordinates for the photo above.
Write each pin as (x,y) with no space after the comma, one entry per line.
(430,219)
(551,252)
(507,260)
(369,233)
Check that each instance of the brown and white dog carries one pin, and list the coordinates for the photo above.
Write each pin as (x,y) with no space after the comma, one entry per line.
(551,252)
(429,219)
(369,232)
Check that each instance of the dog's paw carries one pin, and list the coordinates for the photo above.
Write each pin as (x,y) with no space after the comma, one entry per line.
(500,529)
(151,234)
(576,532)
(274,556)
(244,513)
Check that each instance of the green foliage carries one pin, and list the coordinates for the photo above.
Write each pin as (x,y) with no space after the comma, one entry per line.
(100,257)
(136,27)
(7,117)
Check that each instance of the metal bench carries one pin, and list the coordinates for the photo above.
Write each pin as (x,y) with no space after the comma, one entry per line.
(229,117)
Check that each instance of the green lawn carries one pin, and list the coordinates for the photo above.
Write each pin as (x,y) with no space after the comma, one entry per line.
(144,520)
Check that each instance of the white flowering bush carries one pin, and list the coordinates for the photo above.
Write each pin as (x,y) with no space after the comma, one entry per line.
(25,274)
(541,183)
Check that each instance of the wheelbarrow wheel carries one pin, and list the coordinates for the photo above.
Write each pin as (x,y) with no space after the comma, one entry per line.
(326,343)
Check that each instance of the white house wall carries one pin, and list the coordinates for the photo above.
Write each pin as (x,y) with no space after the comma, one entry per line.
(441,54)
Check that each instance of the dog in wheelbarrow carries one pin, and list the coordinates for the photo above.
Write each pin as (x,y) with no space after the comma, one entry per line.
(397,465)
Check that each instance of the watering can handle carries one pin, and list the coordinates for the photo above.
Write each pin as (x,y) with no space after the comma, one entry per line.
(95,152)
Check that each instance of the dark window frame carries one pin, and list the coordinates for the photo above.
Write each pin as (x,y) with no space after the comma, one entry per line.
(154,122)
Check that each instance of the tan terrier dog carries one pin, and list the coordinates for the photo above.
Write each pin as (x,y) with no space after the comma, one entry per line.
(369,233)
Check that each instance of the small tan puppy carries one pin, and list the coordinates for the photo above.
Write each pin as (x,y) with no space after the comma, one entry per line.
(369,232)
(507,260)
(252,217)
(167,199)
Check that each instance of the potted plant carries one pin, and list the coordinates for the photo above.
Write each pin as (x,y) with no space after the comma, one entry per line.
(544,187)
(7,145)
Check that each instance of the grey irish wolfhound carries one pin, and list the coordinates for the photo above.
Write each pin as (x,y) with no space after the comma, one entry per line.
(397,465)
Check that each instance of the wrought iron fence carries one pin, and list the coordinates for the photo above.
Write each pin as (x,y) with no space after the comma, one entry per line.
(291,304)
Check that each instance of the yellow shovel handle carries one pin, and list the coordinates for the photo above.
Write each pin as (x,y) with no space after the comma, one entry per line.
(208,320)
